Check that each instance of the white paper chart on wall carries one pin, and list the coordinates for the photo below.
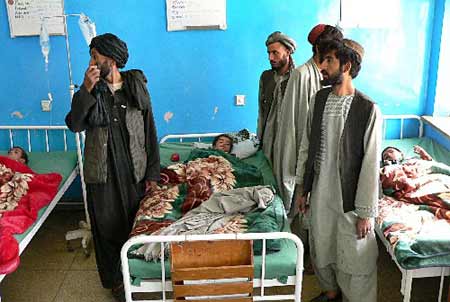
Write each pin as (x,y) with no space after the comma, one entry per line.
(196,14)
(25,16)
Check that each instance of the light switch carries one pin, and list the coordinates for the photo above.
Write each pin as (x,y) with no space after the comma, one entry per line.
(239,100)
(46,105)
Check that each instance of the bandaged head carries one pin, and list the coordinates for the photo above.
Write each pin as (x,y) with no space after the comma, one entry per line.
(287,41)
(112,47)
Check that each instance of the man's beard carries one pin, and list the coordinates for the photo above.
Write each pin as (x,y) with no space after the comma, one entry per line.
(280,64)
(333,80)
(105,70)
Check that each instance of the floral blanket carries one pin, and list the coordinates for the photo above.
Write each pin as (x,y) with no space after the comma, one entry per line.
(416,219)
(185,186)
(22,194)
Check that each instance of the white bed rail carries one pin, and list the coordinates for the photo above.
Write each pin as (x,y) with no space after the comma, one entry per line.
(164,285)
(402,118)
(180,137)
(13,130)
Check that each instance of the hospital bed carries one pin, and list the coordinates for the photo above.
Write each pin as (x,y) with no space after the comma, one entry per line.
(271,270)
(408,131)
(50,149)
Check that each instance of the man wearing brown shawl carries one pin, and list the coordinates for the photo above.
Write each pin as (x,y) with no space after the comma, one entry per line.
(121,150)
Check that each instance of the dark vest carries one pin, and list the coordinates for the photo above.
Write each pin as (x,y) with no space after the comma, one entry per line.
(268,85)
(351,150)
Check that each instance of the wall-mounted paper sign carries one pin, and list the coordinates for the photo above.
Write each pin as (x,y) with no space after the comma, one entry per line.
(25,16)
(196,14)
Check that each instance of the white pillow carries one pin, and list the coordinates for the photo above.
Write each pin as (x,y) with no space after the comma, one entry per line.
(245,144)
(202,145)
(245,148)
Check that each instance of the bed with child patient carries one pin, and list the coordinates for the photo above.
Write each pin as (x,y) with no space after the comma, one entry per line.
(34,174)
(221,188)
(414,210)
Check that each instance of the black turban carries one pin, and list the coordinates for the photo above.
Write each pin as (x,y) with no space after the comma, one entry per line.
(112,47)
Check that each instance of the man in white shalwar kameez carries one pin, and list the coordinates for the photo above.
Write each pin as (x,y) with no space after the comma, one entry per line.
(287,104)
(338,167)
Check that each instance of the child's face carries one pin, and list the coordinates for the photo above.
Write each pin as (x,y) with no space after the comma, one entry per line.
(224,144)
(392,154)
(16,154)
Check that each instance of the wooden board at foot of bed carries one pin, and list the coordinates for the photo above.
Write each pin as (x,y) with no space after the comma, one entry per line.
(217,270)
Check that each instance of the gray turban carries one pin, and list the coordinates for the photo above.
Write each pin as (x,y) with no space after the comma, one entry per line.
(112,47)
(287,41)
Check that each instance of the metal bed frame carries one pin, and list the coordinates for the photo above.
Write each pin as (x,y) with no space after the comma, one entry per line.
(14,131)
(164,285)
(409,274)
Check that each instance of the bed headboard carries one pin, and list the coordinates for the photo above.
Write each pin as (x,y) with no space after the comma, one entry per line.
(402,119)
(190,137)
(49,137)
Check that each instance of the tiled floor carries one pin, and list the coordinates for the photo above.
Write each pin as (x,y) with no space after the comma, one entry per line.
(49,273)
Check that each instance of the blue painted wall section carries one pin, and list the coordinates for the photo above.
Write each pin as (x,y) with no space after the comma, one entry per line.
(194,75)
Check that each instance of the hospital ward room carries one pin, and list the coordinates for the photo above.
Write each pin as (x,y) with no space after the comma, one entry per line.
(225,151)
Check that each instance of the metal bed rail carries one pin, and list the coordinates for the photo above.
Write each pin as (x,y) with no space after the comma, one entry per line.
(164,285)
(46,129)
(181,137)
(402,118)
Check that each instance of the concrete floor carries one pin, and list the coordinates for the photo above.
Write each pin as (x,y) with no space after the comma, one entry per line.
(50,273)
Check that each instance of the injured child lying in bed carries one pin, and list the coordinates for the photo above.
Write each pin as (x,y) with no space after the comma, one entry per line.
(211,192)
(415,180)
(414,214)
(22,194)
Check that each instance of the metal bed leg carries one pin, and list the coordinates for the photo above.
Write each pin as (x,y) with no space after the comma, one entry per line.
(407,286)
(441,285)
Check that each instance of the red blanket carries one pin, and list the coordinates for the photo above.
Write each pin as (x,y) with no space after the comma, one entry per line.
(22,194)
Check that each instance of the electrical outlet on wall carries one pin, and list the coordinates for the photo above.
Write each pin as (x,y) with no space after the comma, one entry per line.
(239,99)
(46,105)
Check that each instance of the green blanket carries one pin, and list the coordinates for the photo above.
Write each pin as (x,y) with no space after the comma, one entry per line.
(186,185)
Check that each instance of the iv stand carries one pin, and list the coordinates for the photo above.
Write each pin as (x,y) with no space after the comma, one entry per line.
(84,231)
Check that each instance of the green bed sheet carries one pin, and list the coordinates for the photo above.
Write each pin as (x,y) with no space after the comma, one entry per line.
(422,249)
(279,265)
(46,162)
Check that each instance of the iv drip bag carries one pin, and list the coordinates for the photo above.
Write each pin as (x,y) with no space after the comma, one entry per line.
(87,27)
(44,40)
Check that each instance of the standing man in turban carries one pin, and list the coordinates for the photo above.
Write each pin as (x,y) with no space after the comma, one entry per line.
(338,167)
(121,150)
(276,114)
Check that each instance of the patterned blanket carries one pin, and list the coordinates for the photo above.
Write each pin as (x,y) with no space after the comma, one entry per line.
(416,219)
(22,194)
(186,186)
